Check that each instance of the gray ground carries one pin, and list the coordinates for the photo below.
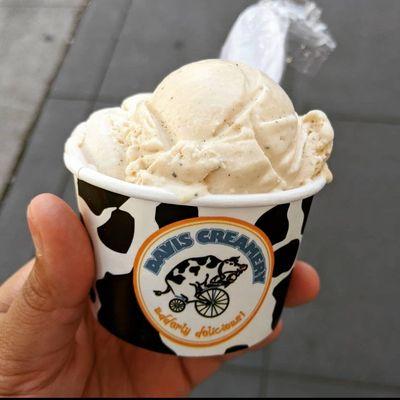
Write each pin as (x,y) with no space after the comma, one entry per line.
(33,38)
(346,343)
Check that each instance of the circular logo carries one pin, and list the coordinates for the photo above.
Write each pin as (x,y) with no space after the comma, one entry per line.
(200,281)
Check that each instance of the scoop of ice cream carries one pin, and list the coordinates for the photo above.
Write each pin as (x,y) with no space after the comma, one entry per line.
(102,139)
(224,128)
(211,127)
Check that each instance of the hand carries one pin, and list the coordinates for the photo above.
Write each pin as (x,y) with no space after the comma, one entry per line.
(50,345)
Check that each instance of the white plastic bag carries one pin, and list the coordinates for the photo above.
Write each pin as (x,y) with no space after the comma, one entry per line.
(272,33)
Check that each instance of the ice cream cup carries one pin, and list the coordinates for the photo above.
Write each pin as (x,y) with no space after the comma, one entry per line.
(208,277)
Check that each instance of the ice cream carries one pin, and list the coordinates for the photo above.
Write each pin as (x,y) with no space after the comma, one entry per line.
(209,127)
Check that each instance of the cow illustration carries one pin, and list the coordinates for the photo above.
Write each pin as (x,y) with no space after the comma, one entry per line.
(200,281)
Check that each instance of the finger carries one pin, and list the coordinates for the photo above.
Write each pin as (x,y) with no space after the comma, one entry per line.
(10,288)
(45,314)
(304,285)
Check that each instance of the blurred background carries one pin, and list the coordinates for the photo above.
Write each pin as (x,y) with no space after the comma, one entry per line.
(62,59)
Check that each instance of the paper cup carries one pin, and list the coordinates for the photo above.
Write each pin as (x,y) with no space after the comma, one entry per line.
(204,278)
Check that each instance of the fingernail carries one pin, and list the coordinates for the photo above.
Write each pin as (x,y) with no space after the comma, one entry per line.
(35,233)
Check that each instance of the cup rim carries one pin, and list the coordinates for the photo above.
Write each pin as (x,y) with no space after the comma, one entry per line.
(90,175)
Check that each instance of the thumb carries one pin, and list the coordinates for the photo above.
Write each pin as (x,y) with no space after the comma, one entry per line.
(45,315)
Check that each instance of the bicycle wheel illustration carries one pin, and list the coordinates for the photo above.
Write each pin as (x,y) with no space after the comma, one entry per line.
(212,302)
(177,305)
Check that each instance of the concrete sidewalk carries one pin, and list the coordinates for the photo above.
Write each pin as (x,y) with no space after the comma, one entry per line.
(34,36)
(345,343)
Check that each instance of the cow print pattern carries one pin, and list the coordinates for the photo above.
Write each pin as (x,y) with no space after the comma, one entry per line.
(284,260)
(117,233)
(275,223)
(121,314)
(239,347)
(119,311)
(169,213)
(285,257)
(306,205)
(279,294)
(92,295)
(99,199)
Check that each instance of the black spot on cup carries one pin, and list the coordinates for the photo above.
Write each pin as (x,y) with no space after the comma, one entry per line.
(168,213)
(236,348)
(274,223)
(285,257)
(121,314)
(117,233)
(279,294)
(99,199)
(306,205)
(92,295)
